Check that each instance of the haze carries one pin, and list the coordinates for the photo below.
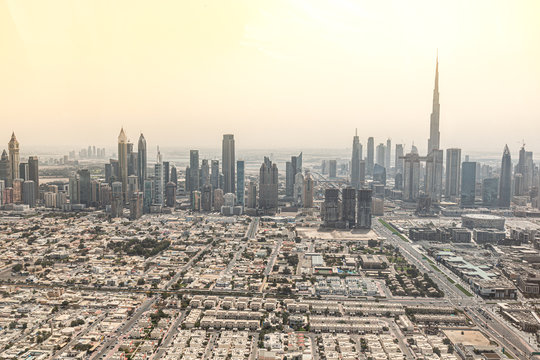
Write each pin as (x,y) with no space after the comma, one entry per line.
(301,73)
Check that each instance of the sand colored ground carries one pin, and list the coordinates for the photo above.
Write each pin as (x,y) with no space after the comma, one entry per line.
(469,337)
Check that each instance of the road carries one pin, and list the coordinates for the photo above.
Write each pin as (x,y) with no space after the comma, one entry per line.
(473,306)
(109,345)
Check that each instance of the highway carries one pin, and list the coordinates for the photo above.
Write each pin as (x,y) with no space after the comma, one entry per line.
(473,306)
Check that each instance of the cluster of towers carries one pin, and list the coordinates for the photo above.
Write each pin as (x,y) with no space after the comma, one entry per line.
(19,181)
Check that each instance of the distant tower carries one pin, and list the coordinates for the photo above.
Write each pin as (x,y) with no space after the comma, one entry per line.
(370,156)
(380,159)
(194,170)
(434,134)
(5,169)
(268,186)
(159,178)
(399,159)
(355,161)
(240,184)
(123,162)
(388,154)
(14,158)
(33,173)
(468,184)
(505,180)
(453,173)
(307,198)
(227,163)
(142,165)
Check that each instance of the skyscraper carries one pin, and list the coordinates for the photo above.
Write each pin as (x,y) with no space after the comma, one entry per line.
(33,172)
(434,134)
(399,159)
(240,185)
(204,174)
(505,179)
(268,186)
(193,170)
(159,180)
(252,195)
(84,186)
(348,212)
(468,183)
(307,198)
(123,162)
(388,154)
(370,156)
(453,174)
(142,165)
(29,195)
(380,158)
(434,175)
(411,177)
(363,211)
(490,189)
(332,168)
(355,161)
(14,159)
(5,169)
(293,168)
(174,175)
(23,171)
(214,174)
(227,163)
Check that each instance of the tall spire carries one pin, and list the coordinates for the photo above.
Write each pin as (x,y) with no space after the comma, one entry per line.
(434,134)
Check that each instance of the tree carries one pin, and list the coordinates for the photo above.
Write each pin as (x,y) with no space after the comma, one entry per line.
(17,268)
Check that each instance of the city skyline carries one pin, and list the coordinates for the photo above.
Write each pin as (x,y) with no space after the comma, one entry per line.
(94,86)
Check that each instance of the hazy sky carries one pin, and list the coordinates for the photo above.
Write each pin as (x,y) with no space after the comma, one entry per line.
(276,73)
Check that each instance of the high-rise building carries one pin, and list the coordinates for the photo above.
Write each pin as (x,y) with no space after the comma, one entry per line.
(453,174)
(14,158)
(370,160)
(355,162)
(399,159)
(33,172)
(148,195)
(214,174)
(117,202)
(170,194)
(218,199)
(23,171)
(166,172)
(331,208)
(332,168)
(29,195)
(240,184)
(159,180)
(268,186)
(123,162)
(388,154)
(434,175)
(411,177)
(2,191)
(133,185)
(227,163)
(363,211)
(132,160)
(505,179)
(292,168)
(5,169)
(434,134)
(193,170)
(307,197)
(348,213)
(74,189)
(136,204)
(84,187)
(204,174)
(252,195)
(468,183)
(206,198)
(380,156)
(17,190)
(142,165)
(174,175)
